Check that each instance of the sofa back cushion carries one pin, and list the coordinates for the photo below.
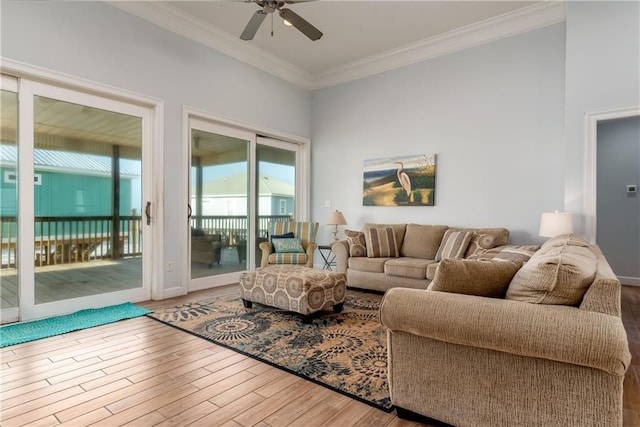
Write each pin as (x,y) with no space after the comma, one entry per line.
(381,242)
(422,241)
(481,278)
(555,275)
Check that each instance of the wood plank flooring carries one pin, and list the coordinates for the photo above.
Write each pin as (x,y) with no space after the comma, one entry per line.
(140,372)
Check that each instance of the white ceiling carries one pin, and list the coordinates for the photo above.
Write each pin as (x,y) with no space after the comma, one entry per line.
(360,37)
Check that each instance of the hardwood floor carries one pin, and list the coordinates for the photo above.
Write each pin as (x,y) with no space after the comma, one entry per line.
(140,372)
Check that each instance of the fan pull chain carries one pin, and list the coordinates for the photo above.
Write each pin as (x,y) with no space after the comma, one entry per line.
(271,24)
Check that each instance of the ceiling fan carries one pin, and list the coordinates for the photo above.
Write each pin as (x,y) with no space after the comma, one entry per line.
(268,7)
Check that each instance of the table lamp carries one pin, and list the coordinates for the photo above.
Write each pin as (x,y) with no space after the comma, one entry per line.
(336,218)
(553,224)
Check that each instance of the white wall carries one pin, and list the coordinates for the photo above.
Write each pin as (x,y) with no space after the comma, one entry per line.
(493,114)
(602,74)
(101,43)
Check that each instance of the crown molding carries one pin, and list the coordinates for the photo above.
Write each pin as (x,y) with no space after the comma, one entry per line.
(506,25)
(499,27)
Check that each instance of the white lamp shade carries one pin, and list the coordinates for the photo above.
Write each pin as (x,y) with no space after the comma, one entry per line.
(553,224)
(336,218)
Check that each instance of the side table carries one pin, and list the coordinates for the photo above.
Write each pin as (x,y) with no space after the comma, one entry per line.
(328,257)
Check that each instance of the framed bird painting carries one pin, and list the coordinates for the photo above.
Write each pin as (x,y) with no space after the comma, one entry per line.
(400,181)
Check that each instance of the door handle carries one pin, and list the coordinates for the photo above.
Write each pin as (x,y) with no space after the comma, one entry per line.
(190,211)
(147,212)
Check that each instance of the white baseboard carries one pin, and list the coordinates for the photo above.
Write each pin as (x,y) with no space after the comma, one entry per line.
(629,281)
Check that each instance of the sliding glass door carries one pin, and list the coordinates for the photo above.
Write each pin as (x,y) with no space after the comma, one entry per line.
(9,291)
(276,186)
(238,183)
(218,204)
(81,176)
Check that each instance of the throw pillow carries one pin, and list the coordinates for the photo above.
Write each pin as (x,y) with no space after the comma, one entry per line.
(454,244)
(566,240)
(357,243)
(514,253)
(381,243)
(288,235)
(555,275)
(481,278)
(288,245)
(480,243)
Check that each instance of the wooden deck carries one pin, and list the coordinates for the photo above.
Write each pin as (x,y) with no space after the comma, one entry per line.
(65,281)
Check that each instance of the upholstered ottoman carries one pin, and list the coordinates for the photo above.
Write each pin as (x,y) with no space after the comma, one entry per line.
(294,288)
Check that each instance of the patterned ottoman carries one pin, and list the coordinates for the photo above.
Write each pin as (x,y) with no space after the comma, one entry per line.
(294,288)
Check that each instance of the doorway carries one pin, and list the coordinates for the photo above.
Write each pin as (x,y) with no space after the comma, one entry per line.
(607,193)
(618,201)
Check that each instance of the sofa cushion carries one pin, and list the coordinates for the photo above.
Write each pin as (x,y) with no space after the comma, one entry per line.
(381,242)
(454,244)
(470,277)
(415,268)
(357,243)
(370,265)
(287,258)
(555,275)
(287,245)
(398,229)
(422,241)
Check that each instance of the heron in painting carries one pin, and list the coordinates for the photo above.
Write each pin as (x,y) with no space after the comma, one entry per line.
(404,180)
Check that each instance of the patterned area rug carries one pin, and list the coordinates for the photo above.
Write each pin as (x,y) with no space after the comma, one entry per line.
(346,352)
(17,333)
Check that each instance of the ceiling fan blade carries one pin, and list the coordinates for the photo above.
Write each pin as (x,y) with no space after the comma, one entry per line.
(252,27)
(297,21)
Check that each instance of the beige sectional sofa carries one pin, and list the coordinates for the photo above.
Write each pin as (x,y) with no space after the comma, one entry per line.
(417,248)
(553,352)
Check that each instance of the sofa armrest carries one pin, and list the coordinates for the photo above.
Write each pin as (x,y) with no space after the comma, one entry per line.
(341,250)
(559,333)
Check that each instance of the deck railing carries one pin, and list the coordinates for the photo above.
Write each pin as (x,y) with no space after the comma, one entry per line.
(63,240)
(233,228)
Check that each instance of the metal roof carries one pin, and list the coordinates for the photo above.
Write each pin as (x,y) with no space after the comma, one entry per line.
(66,161)
(236,184)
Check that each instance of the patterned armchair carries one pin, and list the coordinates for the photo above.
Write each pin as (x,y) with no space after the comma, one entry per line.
(305,231)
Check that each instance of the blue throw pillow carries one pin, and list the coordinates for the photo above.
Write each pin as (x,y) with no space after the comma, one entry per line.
(288,235)
(288,246)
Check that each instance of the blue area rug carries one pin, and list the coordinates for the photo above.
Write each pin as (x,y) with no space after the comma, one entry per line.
(17,333)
